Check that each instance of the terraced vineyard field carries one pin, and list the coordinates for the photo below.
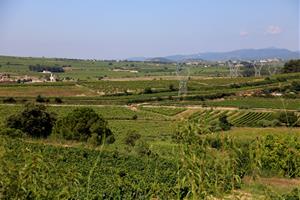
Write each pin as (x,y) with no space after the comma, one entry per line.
(235,117)
(257,102)
(164,110)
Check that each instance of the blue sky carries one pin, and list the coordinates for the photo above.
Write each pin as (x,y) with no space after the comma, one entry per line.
(105,29)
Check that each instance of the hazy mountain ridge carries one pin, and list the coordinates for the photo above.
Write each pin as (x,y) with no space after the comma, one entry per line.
(242,54)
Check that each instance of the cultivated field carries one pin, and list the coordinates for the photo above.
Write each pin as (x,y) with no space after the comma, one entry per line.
(226,138)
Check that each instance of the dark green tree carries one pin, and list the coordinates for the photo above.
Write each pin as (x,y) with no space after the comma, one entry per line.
(148,90)
(291,66)
(223,123)
(34,120)
(84,124)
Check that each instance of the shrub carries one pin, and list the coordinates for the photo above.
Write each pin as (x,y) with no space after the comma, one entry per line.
(171,87)
(148,90)
(40,99)
(288,118)
(34,120)
(134,117)
(58,100)
(268,123)
(83,124)
(223,123)
(143,148)
(131,138)
(291,66)
(9,100)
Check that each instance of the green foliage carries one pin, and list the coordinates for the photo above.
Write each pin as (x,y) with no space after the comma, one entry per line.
(288,118)
(148,90)
(11,132)
(291,66)
(41,99)
(142,148)
(131,138)
(34,120)
(26,174)
(83,124)
(134,117)
(172,88)
(202,171)
(168,111)
(58,100)
(38,171)
(278,155)
(223,123)
(268,123)
(9,100)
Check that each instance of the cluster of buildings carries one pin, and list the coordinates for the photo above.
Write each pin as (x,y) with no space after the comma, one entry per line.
(8,78)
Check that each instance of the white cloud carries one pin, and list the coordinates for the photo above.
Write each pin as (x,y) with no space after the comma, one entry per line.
(273,30)
(244,33)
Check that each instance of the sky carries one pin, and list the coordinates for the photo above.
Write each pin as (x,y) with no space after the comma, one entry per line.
(119,29)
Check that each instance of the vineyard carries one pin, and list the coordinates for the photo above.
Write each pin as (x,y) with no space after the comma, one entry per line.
(164,110)
(235,117)
(222,139)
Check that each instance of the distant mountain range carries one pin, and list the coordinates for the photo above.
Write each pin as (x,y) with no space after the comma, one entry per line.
(242,54)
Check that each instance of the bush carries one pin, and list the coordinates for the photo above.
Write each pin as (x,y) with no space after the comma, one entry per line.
(40,99)
(9,100)
(83,124)
(171,87)
(143,148)
(131,138)
(34,120)
(58,100)
(148,90)
(268,123)
(288,118)
(291,66)
(223,123)
(280,155)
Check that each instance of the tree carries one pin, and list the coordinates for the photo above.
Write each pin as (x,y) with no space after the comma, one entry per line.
(34,120)
(171,87)
(58,100)
(291,66)
(82,124)
(148,90)
(40,99)
(223,123)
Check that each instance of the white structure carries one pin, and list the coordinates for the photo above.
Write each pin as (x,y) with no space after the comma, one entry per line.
(52,78)
(257,67)
(272,69)
(182,73)
(234,69)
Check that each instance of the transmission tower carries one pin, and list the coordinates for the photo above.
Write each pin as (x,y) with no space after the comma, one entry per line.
(257,68)
(272,69)
(182,72)
(233,69)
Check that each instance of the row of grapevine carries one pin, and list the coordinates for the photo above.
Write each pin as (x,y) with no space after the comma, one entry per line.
(163,110)
(235,117)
